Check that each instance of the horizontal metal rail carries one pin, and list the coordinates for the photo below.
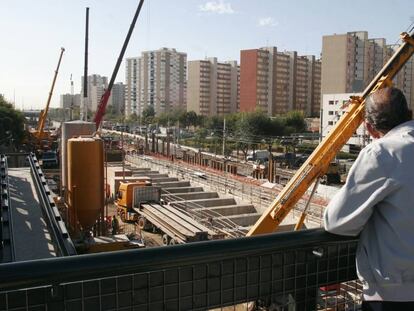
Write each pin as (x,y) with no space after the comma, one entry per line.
(269,269)
(7,252)
(257,195)
(204,214)
(55,223)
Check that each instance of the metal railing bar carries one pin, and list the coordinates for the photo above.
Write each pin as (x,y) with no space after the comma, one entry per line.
(57,227)
(73,268)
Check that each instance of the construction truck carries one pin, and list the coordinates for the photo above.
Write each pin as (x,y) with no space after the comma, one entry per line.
(131,195)
(141,202)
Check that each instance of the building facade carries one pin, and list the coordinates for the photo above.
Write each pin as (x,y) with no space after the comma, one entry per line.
(212,87)
(333,107)
(69,101)
(350,61)
(96,87)
(278,82)
(117,98)
(131,86)
(157,79)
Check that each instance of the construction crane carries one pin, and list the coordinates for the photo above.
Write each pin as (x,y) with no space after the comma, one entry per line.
(100,112)
(318,162)
(39,133)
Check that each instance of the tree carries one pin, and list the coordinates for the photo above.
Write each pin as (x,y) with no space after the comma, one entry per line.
(192,118)
(11,123)
(200,135)
(148,114)
(132,118)
(294,122)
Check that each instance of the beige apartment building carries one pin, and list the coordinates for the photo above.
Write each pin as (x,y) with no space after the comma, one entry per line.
(350,61)
(157,79)
(278,82)
(212,87)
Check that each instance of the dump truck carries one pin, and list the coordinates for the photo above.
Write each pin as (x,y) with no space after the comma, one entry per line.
(141,202)
(131,195)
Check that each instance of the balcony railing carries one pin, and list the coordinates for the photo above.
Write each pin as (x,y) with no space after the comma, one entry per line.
(302,270)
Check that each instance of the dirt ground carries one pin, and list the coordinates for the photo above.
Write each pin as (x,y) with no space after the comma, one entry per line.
(150,239)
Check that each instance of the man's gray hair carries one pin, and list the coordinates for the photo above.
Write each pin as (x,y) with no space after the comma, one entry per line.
(386,109)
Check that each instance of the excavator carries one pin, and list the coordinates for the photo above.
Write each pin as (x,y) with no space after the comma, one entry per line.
(316,166)
(41,139)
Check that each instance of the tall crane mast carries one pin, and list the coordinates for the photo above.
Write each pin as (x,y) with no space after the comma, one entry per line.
(318,162)
(43,114)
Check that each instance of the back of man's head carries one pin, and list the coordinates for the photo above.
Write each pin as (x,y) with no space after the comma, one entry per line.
(386,109)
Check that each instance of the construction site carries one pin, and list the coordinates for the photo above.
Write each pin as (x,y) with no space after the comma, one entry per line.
(150,224)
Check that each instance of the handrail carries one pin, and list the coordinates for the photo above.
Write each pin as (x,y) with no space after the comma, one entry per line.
(5,207)
(57,227)
(49,271)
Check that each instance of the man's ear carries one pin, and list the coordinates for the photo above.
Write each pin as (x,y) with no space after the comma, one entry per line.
(373,132)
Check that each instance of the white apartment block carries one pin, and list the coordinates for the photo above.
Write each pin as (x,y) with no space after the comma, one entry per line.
(213,87)
(96,87)
(332,109)
(131,86)
(158,79)
(69,101)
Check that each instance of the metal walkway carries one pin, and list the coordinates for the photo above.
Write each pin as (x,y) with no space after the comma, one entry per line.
(31,225)
(32,238)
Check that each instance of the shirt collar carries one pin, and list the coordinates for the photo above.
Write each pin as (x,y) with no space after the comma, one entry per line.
(402,128)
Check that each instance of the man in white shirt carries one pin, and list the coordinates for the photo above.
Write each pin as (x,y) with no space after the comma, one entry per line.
(377,202)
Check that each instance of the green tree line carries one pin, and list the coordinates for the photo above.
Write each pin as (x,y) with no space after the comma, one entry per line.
(11,124)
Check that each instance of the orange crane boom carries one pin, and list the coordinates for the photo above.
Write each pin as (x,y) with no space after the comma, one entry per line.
(318,162)
(43,114)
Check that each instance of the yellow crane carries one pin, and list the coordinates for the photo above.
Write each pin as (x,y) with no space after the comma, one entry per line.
(318,162)
(39,133)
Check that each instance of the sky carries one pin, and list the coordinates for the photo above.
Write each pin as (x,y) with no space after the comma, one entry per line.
(32,33)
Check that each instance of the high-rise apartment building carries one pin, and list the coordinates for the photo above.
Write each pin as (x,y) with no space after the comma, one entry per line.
(69,100)
(157,79)
(131,86)
(117,98)
(350,61)
(212,87)
(404,80)
(278,82)
(96,87)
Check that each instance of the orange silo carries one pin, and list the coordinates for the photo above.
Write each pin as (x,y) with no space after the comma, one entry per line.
(85,180)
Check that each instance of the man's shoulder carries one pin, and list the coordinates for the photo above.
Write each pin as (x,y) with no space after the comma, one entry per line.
(374,149)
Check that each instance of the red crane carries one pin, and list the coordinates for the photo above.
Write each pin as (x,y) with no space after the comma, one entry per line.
(100,112)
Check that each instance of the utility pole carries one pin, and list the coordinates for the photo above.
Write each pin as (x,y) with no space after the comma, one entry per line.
(178,136)
(122,149)
(71,97)
(224,136)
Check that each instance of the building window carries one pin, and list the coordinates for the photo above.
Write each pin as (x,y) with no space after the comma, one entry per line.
(330,123)
(330,113)
(331,102)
